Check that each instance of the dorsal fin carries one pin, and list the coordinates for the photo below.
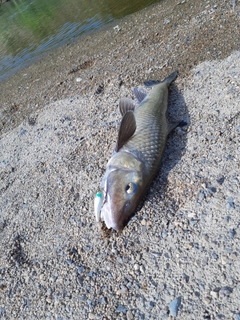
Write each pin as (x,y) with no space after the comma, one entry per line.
(140,94)
(151,83)
(126,130)
(125,105)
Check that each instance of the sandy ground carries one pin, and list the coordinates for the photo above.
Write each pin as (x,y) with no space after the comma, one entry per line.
(179,255)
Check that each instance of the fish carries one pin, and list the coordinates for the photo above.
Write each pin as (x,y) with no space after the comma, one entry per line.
(137,155)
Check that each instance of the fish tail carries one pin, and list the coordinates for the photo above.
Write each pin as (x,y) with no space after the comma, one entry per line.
(171,77)
(168,80)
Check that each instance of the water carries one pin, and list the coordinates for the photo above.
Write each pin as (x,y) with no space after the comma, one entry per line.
(31,28)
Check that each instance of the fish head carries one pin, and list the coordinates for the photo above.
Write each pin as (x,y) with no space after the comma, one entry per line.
(123,189)
(122,195)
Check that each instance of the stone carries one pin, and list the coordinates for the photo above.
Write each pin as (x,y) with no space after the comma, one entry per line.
(174,306)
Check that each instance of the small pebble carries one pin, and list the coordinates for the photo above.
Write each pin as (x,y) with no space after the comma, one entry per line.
(233,256)
(22,132)
(201,196)
(151,304)
(221,180)
(67,308)
(230,204)
(49,300)
(193,222)
(124,290)
(164,234)
(136,266)
(237,317)
(214,255)
(224,260)
(174,306)
(129,315)
(121,308)
(232,233)
(225,292)
(205,238)
(214,294)
(207,300)
(117,28)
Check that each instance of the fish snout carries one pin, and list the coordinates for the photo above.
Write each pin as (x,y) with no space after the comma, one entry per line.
(112,223)
(115,216)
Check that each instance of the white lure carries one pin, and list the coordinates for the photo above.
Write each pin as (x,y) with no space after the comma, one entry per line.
(98,201)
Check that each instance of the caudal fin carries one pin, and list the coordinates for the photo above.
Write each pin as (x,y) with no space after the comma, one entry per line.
(168,80)
(171,77)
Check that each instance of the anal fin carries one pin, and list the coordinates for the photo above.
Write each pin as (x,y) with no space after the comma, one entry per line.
(175,124)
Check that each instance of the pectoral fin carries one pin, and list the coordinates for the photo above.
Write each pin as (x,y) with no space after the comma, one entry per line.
(125,105)
(127,129)
(173,125)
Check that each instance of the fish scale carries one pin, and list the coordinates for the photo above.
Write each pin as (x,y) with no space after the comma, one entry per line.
(152,129)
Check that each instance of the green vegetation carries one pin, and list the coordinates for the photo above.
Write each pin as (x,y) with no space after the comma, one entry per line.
(25,23)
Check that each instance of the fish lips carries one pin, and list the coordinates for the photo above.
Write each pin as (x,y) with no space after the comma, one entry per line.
(115,216)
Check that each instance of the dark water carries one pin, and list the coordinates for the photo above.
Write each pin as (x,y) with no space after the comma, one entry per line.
(31,28)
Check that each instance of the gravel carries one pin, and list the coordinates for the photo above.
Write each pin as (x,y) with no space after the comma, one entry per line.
(57,263)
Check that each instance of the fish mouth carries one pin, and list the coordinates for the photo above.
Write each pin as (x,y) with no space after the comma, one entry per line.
(108,217)
(115,221)
(111,224)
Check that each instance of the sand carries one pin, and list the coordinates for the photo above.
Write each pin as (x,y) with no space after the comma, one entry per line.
(179,255)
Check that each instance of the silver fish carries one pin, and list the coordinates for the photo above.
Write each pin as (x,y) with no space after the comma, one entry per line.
(140,145)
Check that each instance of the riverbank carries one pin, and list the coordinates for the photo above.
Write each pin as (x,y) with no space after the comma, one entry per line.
(59,126)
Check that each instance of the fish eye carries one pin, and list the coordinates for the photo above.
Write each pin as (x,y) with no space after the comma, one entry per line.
(130,187)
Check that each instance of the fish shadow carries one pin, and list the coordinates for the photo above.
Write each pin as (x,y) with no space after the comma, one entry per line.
(177,139)
(174,150)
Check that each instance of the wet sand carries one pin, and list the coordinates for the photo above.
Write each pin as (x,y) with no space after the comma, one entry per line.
(179,255)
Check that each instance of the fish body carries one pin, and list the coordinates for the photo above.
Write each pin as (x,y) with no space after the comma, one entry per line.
(141,142)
